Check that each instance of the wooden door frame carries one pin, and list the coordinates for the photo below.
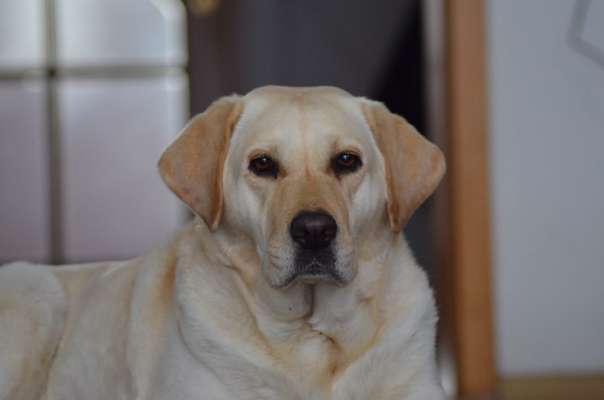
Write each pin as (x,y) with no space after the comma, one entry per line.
(458,121)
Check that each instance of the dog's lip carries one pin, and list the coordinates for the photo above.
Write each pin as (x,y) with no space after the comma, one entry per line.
(314,272)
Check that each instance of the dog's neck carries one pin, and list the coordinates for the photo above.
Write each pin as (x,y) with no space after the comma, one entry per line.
(321,323)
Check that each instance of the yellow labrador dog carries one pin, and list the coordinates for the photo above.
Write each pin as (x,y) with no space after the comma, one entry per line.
(293,282)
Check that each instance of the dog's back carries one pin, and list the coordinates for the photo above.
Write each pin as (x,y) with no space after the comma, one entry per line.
(60,324)
(79,331)
(33,308)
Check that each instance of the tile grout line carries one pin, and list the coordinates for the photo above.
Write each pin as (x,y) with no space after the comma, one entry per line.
(93,72)
(54,145)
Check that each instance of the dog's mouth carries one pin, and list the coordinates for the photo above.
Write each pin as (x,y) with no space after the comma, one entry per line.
(311,267)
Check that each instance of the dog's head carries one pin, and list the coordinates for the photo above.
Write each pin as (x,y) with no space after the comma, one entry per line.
(308,174)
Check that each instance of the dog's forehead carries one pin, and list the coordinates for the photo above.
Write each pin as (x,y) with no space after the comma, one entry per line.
(284,115)
(281,92)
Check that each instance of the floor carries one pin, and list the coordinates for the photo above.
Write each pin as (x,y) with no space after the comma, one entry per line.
(553,388)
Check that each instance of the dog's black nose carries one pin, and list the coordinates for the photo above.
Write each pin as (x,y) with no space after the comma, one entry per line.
(313,230)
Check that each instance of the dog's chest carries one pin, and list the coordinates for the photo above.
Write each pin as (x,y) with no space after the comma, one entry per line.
(325,346)
(312,355)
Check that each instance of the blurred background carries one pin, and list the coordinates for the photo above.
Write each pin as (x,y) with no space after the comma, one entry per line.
(91,91)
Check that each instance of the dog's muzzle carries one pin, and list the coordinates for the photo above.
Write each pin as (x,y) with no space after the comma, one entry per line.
(314,233)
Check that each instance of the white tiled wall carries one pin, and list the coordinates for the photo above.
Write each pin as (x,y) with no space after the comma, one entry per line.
(22,33)
(24,206)
(120,32)
(112,126)
(113,132)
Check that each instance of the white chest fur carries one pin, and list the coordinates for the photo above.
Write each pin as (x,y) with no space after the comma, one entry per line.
(369,340)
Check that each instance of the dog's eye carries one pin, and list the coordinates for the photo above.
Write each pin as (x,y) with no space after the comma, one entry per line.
(345,163)
(263,165)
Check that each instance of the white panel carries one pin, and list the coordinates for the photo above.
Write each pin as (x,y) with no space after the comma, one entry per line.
(547,141)
(593,31)
(115,204)
(23,179)
(121,32)
(22,33)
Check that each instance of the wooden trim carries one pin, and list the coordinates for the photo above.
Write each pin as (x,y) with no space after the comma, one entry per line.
(464,216)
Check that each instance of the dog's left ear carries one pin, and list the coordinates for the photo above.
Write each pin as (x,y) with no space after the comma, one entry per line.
(192,166)
(413,165)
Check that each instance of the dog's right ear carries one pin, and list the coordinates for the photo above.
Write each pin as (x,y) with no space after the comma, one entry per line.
(192,166)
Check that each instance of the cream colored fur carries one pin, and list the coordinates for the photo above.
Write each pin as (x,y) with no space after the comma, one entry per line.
(205,317)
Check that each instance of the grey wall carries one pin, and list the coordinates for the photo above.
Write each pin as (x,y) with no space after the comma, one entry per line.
(547,144)
(246,44)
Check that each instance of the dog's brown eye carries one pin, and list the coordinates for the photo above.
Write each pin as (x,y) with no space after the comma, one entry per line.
(346,162)
(263,165)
